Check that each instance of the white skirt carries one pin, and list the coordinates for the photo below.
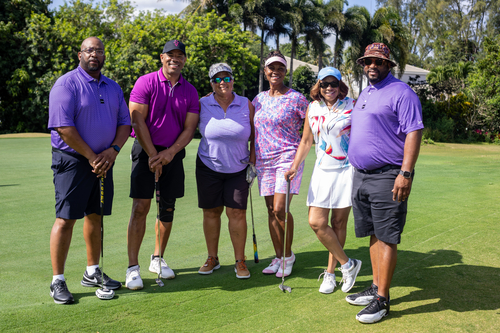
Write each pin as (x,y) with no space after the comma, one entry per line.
(331,188)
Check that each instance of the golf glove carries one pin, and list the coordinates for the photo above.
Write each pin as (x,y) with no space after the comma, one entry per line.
(251,174)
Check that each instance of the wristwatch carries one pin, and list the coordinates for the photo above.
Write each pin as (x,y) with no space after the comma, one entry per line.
(406,174)
(116,147)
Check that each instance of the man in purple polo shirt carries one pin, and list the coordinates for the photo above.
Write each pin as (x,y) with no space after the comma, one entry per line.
(89,123)
(384,146)
(164,109)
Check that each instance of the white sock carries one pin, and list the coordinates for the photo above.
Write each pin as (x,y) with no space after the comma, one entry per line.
(347,265)
(58,277)
(290,257)
(91,269)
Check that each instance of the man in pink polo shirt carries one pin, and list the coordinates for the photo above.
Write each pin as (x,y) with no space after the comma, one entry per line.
(164,110)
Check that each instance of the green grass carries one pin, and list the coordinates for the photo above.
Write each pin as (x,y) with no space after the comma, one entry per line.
(447,277)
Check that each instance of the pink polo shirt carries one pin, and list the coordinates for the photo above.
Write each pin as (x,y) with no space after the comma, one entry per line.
(168,105)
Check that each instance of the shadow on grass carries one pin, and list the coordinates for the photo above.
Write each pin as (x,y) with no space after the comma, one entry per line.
(437,281)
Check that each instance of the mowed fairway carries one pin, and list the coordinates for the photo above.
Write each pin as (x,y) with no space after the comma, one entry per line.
(447,278)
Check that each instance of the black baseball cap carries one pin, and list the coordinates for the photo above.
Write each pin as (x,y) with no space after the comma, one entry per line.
(174,45)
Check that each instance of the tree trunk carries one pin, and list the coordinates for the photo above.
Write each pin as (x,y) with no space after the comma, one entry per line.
(261,70)
(320,61)
(277,42)
(292,55)
(360,85)
(335,50)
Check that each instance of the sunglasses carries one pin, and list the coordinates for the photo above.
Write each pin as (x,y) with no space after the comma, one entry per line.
(378,62)
(333,84)
(226,79)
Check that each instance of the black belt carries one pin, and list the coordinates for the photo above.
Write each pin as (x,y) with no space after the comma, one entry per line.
(380,170)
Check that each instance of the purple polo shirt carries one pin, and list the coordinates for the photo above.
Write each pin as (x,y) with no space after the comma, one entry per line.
(95,108)
(168,105)
(224,143)
(384,114)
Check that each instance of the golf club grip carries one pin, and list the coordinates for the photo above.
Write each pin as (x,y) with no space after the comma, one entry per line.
(255,253)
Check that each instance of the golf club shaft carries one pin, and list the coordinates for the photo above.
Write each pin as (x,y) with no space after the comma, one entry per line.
(102,230)
(157,188)
(255,253)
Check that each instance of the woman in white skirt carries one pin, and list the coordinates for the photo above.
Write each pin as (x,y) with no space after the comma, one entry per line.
(328,125)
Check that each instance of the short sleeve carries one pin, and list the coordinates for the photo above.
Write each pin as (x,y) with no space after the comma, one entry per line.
(409,112)
(123,112)
(302,106)
(140,93)
(61,107)
(194,104)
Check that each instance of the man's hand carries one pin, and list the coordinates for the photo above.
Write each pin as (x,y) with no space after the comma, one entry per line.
(157,162)
(103,162)
(402,188)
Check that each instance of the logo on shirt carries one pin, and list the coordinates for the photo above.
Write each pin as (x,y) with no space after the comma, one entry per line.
(419,122)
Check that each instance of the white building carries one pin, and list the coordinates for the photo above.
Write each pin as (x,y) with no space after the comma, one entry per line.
(410,71)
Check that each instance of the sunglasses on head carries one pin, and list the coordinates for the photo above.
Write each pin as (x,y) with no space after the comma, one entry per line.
(378,62)
(226,79)
(333,84)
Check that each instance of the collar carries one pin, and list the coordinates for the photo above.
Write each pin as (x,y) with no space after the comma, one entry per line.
(164,79)
(236,101)
(89,78)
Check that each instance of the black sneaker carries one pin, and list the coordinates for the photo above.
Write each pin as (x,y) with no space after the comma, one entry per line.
(377,309)
(364,297)
(60,293)
(94,280)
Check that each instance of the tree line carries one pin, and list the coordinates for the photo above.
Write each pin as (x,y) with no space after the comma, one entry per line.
(454,39)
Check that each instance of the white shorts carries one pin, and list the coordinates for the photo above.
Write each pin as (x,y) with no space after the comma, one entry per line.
(331,188)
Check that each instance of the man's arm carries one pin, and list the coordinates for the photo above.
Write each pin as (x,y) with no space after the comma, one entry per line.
(105,159)
(165,156)
(70,135)
(138,114)
(402,186)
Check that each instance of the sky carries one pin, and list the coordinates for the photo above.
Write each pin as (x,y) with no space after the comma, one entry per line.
(175,6)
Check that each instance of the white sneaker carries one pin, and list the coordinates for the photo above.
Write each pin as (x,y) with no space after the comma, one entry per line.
(133,279)
(273,266)
(289,261)
(349,275)
(166,272)
(328,284)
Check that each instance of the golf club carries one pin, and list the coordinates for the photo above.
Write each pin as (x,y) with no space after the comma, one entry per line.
(103,292)
(287,208)
(159,282)
(255,253)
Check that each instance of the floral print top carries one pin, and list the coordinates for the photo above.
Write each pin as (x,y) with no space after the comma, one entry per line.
(278,121)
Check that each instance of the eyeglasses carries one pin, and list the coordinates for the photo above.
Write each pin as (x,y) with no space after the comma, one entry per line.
(378,62)
(226,79)
(333,84)
(91,50)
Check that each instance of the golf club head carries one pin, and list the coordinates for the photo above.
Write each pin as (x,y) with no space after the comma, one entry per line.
(159,282)
(285,288)
(104,293)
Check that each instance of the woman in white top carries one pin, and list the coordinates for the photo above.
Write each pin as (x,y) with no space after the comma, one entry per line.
(328,125)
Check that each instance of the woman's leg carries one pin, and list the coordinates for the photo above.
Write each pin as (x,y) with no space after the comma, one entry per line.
(318,220)
(237,230)
(211,228)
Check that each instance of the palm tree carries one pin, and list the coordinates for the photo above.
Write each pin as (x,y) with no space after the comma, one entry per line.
(384,27)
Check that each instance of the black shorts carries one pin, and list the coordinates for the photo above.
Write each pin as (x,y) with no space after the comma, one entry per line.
(142,180)
(375,213)
(77,188)
(217,189)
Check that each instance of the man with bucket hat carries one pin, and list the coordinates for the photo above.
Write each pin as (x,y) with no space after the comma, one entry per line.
(164,110)
(384,146)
